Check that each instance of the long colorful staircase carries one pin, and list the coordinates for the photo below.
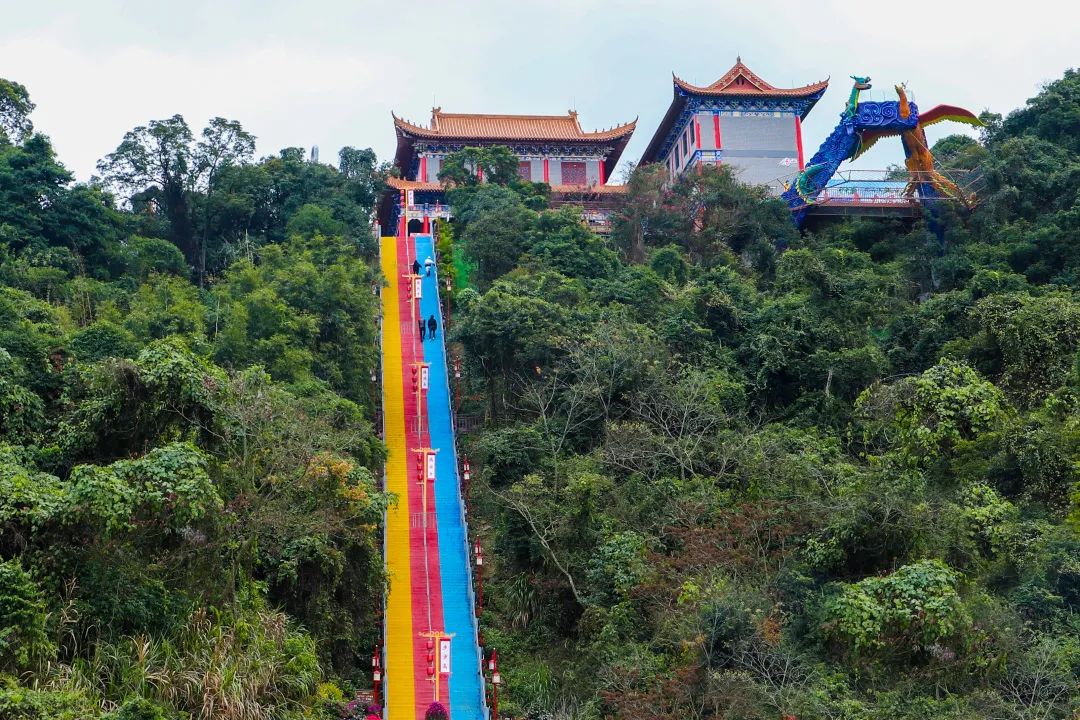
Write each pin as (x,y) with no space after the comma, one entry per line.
(430,635)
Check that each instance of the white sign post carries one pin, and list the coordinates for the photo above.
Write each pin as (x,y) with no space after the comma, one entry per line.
(431,466)
(444,656)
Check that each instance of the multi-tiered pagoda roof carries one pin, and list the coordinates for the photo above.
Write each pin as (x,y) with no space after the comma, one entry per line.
(526,134)
(739,89)
(741,81)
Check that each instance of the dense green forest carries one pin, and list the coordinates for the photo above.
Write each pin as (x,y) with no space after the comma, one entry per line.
(837,481)
(189,522)
(727,470)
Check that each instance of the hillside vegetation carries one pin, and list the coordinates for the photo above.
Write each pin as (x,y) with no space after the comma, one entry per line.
(189,523)
(838,481)
(728,471)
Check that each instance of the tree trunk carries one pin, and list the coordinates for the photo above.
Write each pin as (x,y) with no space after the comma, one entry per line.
(182,230)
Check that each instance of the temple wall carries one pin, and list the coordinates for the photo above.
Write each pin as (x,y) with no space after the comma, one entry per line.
(708,130)
(761,148)
(554,172)
(592,172)
(434,164)
(755,132)
(759,170)
(536,168)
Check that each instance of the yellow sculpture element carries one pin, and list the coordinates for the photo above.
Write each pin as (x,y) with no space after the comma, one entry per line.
(919,160)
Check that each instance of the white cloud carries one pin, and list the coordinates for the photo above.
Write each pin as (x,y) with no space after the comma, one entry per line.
(286,96)
(328,72)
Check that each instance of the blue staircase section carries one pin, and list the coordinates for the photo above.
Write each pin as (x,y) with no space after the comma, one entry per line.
(466,683)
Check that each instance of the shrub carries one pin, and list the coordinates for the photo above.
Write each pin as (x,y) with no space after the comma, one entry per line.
(102,340)
(19,703)
(144,256)
(22,619)
(914,608)
(137,709)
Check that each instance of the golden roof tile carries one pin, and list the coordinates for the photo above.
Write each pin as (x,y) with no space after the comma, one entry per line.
(482,126)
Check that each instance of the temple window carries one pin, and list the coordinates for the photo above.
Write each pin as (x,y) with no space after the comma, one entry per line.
(573,173)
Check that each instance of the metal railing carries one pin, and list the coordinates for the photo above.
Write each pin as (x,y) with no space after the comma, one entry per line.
(895,187)
(468,423)
(439,210)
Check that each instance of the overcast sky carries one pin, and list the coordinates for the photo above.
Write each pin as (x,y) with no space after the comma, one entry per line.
(328,72)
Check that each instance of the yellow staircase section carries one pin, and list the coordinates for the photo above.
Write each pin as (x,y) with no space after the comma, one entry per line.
(400,688)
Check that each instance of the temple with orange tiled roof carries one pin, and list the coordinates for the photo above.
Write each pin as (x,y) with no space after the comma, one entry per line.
(552,149)
(739,120)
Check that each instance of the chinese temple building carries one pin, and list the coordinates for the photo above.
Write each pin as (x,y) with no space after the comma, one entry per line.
(552,149)
(739,120)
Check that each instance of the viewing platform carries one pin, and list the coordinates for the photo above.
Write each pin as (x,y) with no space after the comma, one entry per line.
(885,193)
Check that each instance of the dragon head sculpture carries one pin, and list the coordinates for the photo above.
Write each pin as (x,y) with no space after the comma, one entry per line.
(861,83)
(904,105)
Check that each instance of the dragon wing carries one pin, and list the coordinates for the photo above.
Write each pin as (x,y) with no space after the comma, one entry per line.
(941,113)
(867,138)
(936,114)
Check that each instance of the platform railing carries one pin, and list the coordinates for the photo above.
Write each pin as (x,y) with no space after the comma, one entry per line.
(895,187)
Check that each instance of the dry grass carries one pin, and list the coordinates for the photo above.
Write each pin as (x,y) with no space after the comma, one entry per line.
(251,666)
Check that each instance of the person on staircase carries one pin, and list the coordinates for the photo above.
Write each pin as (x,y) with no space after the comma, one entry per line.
(428,264)
(432,326)
(420,322)
(416,267)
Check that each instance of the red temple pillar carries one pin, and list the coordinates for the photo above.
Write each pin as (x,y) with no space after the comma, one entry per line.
(798,142)
(601,171)
(423,169)
(547,172)
(427,224)
(402,220)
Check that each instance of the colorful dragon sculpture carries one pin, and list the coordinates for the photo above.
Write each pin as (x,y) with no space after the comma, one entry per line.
(861,125)
(924,177)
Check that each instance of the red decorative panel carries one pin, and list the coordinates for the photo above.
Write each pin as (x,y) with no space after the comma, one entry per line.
(573,173)
(525,170)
